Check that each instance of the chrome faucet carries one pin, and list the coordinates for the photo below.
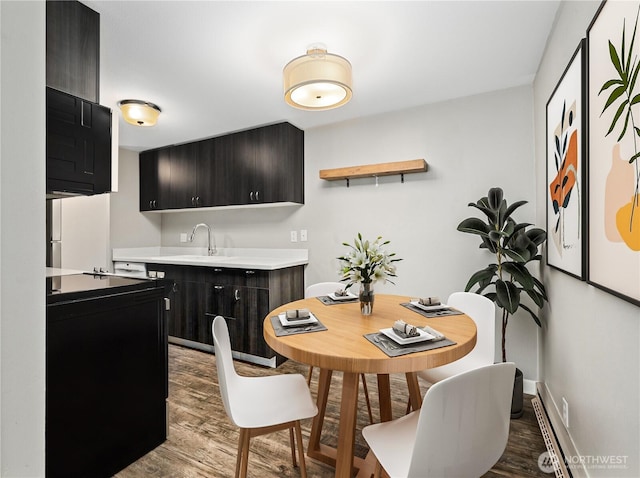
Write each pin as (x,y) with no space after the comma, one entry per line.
(210,251)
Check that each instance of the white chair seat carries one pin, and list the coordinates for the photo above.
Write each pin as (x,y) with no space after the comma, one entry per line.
(260,405)
(265,401)
(483,313)
(393,443)
(461,430)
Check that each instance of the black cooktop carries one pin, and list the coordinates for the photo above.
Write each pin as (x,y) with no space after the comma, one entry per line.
(75,286)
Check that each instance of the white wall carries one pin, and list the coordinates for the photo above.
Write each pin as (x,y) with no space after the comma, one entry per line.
(590,342)
(129,228)
(470,144)
(22,238)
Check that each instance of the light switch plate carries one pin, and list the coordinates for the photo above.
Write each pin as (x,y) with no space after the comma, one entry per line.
(294,236)
(303,235)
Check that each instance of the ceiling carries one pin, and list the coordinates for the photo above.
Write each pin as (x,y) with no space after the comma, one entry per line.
(216,66)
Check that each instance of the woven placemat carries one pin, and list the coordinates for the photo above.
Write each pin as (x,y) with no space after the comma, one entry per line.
(280,330)
(393,349)
(429,314)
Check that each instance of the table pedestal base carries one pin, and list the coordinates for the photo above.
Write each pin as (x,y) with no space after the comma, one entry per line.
(342,458)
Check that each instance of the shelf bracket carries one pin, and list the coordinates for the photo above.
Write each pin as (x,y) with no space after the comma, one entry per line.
(402,178)
(347,181)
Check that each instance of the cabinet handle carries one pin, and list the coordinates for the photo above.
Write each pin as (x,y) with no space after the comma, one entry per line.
(249,272)
(150,204)
(257,195)
(217,269)
(218,287)
(193,201)
(197,200)
(251,196)
(155,204)
(236,295)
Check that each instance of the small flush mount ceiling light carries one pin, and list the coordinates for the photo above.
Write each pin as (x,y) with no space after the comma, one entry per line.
(317,80)
(139,113)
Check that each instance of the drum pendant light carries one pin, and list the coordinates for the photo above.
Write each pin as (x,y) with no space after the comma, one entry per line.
(139,113)
(318,80)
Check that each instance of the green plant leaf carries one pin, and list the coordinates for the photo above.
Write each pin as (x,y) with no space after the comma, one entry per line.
(533,315)
(491,215)
(519,273)
(487,244)
(508,296)
(481,275)
(535,296)
(473,225)
(513,207)
(610,83)
(496,236)
(626,124)
(495,197)
(616,117)
(537,235)
(492,296)
(614,56)
(615,94)
(518,256)
(634,157)
(541,288)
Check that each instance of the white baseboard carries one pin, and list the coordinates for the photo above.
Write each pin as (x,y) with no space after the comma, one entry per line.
(561,433)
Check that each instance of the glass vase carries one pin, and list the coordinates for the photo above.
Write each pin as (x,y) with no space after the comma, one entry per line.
(366,298)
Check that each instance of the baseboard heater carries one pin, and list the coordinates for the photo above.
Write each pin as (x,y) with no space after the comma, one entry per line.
(556,439)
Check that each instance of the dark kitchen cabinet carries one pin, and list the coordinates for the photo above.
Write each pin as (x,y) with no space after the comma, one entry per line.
(106,374)
(78,145)
(154,189)
(262,165)
(242,296)
(73,49)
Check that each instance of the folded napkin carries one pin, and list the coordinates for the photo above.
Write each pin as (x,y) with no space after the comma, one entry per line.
(341,293)
(405,330)
(297,314)
(429,301)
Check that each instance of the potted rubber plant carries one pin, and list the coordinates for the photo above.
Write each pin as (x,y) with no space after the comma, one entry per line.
(507,280)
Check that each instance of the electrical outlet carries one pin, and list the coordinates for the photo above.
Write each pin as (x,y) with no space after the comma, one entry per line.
(183,237)
(303,235)
(565,412)
(294,236)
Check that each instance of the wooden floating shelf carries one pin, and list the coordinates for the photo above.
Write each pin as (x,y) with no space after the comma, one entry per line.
(374,170)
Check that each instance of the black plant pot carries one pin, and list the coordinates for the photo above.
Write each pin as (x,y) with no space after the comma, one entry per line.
(517,407)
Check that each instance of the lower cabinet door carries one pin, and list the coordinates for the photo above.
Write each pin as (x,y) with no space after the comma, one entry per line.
(251,306)
(220,301)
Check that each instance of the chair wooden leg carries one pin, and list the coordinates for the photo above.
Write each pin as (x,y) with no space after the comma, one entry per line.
(303,465)
(309,375)
(378,471)
(366,397)
(292,443)
(242,453)
(245,453)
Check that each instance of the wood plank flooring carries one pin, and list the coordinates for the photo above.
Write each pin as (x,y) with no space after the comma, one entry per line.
(202,441)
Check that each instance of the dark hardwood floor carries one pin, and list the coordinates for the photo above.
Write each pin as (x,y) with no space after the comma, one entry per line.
(202,441)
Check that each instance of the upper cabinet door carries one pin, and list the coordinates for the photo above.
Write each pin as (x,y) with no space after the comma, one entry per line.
(73,49)
(78,145)
(262,165)
(182,187)
(279,164)
(155,178)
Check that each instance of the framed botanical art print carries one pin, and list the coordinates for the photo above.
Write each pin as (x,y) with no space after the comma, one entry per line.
(614,150)
(566,135)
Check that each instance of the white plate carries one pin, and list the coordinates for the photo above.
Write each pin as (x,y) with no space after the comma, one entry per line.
(417,304)
(424,336)
(290,323)
(349,296)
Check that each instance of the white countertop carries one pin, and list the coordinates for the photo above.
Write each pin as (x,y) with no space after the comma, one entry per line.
(233,258)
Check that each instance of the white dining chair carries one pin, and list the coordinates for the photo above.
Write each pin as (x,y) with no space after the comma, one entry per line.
(326,288)
(461,430)
(260,405)
(483,313)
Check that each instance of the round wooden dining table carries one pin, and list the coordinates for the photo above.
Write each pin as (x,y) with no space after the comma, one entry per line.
(343,347)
